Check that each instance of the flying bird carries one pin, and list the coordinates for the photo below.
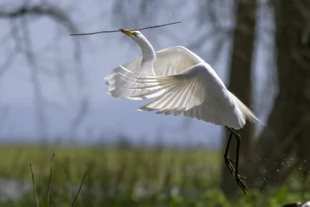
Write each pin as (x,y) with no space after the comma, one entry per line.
(180,82)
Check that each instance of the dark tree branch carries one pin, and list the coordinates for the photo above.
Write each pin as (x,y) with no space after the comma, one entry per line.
(24,44)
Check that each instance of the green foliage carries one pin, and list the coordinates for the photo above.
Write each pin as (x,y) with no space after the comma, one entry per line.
(127,177)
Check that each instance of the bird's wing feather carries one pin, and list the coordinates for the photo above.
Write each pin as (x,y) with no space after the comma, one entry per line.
(174,60)
(197,92)
(170,61)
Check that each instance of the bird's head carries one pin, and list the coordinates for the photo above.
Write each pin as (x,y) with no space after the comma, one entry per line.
(145,45)
(135,35)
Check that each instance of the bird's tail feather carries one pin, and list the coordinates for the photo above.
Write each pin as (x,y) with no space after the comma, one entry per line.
(249,115)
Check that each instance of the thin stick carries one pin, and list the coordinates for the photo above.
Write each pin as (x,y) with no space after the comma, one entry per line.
(76,196)
(34,186)
(49,181)
(110,31)
(162,25)
(91,33)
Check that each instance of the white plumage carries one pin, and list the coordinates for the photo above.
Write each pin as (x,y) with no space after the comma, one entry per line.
(182,83)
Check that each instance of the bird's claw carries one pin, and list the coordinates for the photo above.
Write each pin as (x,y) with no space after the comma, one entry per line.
(229,163)
(231,168)
(240,183)
(231,160)
(242,177)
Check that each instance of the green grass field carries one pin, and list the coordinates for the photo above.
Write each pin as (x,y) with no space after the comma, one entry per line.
(124,177)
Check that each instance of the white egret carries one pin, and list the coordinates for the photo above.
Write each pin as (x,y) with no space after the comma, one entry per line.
(180,83)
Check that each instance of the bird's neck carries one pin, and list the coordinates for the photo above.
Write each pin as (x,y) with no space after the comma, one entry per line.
(148,56)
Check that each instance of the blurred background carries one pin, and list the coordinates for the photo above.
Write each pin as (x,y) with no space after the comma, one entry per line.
(53,100)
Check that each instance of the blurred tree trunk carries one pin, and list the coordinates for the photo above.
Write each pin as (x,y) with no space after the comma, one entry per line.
(288,130)
(240,85)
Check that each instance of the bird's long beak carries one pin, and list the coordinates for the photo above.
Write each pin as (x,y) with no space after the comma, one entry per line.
(127,32)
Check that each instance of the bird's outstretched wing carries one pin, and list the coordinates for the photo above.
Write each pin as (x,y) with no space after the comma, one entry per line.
(170,61)
(196,92)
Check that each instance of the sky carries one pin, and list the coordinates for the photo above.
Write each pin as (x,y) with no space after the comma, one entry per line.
(107,118)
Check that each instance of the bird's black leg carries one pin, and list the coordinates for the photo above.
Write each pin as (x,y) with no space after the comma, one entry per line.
(237,176)
(236,170)
(227,159)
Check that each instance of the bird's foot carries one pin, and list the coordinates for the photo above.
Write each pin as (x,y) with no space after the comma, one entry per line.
(240,183)
(228,162)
